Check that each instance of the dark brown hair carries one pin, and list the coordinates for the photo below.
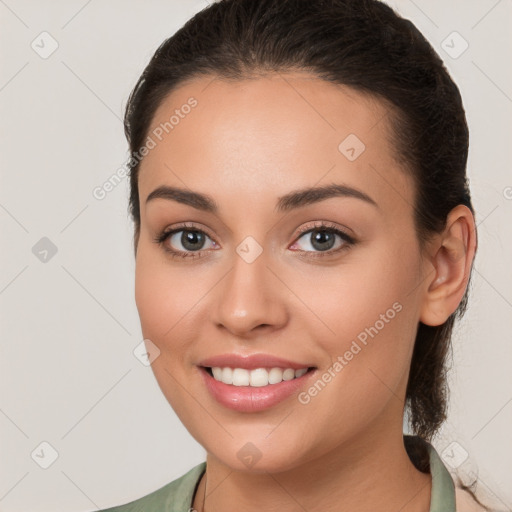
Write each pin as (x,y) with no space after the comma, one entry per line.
(362,44)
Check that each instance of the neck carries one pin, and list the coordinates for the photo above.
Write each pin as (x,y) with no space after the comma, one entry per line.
(370,472)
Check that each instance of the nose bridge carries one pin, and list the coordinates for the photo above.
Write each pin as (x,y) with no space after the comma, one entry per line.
(249,296)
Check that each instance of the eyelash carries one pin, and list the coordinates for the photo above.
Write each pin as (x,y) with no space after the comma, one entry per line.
(319,226)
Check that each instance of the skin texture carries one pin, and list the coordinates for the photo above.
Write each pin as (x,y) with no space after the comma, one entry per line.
(246,144)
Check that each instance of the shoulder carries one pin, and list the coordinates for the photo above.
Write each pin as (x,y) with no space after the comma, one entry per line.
(466,502)
(175,496)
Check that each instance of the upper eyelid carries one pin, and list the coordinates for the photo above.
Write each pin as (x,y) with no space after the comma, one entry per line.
(326,225)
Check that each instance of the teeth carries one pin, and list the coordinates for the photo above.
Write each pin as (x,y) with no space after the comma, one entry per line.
(288,374)
(240,377)
(256,378)
(301,372)
(275,376)
(217,373)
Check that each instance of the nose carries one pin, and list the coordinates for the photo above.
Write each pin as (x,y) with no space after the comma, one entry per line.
(250,299)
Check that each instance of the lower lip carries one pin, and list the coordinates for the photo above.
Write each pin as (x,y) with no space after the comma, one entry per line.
(249,398)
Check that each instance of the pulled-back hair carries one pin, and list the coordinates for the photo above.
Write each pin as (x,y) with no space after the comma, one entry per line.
(362,44)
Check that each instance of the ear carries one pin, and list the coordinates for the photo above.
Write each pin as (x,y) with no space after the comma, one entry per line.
(451,256)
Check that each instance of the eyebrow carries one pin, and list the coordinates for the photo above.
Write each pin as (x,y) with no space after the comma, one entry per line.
(290,201)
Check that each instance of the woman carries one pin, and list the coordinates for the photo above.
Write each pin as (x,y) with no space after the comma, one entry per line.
(304,239)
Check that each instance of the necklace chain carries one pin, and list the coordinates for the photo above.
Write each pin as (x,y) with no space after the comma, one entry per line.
(204,494)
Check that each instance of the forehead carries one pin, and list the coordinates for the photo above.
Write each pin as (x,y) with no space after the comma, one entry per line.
(267,134)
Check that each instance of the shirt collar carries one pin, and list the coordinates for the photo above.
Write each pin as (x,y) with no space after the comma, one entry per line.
(442,496)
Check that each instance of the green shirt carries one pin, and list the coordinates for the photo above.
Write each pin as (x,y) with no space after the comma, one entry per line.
(178,495)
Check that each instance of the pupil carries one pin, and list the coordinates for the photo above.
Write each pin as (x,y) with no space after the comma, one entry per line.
(190,238)
(322,240)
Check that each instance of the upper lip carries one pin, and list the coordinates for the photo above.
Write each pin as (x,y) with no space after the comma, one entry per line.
(250,362)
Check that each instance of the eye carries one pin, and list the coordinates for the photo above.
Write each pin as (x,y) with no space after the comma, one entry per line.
(323,238)
(188,241)
(185,241)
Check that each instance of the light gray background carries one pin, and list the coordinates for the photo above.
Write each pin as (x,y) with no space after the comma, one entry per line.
(69,325)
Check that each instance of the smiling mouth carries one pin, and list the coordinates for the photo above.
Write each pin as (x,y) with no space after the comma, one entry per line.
(257,377)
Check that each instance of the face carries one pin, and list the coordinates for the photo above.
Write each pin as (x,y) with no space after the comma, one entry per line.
(262,273)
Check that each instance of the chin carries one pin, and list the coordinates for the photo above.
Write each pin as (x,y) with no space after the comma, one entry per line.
(254,451)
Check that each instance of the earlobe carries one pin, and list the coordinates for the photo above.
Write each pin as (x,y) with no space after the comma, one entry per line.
(451,258)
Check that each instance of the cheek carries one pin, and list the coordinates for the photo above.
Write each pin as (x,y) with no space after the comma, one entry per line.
(152,298)
(353,296)
(163,302)
(164,294)
(366,375)
(372,312)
